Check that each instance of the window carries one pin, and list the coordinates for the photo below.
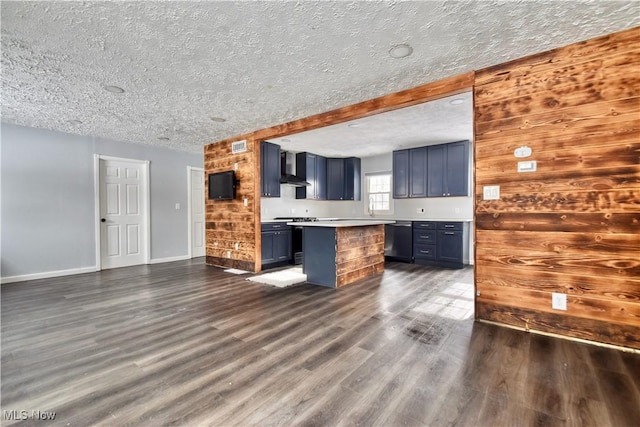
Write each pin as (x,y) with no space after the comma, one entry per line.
(378,192)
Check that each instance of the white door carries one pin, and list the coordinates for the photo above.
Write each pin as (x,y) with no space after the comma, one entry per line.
(197,212)
(122,213)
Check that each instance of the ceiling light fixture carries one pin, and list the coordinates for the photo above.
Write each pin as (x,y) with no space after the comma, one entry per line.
(456,101)
(400,51)
(218,119)
(353,125)
(74,122)
(113,89)
(285,140)
(163,138)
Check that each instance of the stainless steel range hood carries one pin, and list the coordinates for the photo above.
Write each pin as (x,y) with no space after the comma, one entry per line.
(288,170)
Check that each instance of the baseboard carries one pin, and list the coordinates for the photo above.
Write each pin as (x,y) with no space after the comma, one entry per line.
(47,275)
(169,259)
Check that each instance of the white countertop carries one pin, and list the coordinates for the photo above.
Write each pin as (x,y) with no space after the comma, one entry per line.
(342,223)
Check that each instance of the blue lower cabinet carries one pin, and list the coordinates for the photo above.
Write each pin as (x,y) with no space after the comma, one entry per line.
(442,244)
(276,244)
(424,253)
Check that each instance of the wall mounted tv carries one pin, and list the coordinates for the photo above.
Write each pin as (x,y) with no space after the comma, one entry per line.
(222,185)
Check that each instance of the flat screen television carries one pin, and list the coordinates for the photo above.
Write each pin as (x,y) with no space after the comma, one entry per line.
(222,185)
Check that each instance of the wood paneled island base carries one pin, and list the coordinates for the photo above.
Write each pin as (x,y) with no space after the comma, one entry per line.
(337,253)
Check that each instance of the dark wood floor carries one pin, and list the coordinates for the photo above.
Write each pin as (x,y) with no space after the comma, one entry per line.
(186,344)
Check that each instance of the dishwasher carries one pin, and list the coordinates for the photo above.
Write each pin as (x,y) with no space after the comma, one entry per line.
(398,241)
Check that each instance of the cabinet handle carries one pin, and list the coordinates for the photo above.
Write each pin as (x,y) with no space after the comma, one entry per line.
(449,226)
(424,252)
(449,233)
(424,237)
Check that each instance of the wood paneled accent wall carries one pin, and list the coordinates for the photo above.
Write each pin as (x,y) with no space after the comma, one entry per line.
(573,226)
(230,222)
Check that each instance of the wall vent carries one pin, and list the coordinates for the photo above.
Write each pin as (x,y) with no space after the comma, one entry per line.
(239,146)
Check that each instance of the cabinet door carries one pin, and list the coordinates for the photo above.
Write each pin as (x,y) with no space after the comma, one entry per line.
(335,179)
(263,168)
(311,176)
(301,171)
(352,178)
(321,178)
(270,169)
(282,245)
(436,165)
(401,174)
(457,170)
(267,246)
(418,172)
(449,246)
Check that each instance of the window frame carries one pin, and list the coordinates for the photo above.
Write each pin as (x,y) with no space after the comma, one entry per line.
(367,193)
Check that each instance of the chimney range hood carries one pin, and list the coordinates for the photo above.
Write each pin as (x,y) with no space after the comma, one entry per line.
(288,170)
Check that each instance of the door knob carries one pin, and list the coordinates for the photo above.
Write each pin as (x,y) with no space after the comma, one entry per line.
(103,220)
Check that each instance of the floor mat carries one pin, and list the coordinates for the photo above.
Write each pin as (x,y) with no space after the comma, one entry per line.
(282,278)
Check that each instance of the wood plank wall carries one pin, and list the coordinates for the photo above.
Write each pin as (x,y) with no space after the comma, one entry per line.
(230,222)
(573,226)
(359,253)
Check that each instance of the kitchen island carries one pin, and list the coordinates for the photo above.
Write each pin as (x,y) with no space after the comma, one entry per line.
(337,253)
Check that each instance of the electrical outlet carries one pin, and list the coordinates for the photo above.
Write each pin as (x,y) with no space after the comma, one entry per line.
(237,245)
(228,254)
(491,192)
(177,206)
(559,301)
(245,201)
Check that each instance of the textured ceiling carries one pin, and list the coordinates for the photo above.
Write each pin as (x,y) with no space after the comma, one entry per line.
(434,122)
(255,64)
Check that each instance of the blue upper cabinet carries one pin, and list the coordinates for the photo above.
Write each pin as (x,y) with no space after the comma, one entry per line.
(343,178)
(436,165)
(410,173)
(433,171)
(335,179)
(418,172)
(269,169)
(457,170)
(401,174)
(448,169)
(312,168)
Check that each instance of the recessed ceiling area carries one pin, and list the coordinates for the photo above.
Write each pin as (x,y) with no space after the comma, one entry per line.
(196,72)
(444,120)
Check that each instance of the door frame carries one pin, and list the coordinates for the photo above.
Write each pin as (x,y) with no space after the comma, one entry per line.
(146,229)
(189,213)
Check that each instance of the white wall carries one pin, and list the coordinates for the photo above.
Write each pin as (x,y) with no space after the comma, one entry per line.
(288,205)
(47,207)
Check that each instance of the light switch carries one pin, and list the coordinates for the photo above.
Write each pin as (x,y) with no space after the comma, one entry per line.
(528,166)
(177,206)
